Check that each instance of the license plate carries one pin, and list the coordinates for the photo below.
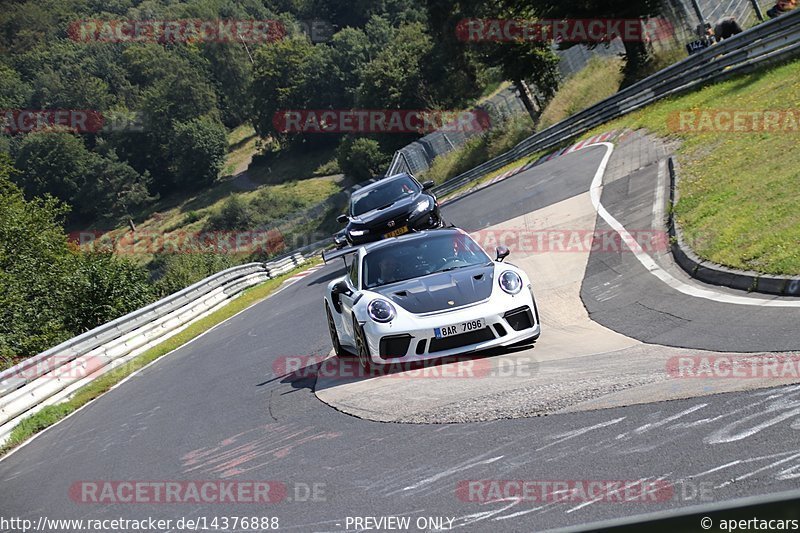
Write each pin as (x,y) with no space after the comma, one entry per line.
(458,329)
(398,231)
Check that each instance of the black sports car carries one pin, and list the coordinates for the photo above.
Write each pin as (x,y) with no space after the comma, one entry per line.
(390,207)
(340,239)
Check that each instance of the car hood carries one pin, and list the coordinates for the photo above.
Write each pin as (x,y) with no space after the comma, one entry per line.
(402,206)
(436,292)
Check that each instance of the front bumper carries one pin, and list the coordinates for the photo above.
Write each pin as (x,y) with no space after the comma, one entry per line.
(413,338)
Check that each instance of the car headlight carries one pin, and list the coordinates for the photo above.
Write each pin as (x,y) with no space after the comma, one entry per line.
(358,232)
(422,206)
(510,282)
(381,310)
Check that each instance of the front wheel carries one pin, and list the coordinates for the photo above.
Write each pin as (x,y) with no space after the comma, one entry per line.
(362,348)
(337,346)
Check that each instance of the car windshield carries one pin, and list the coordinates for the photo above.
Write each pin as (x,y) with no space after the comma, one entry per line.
(420,257)
(383,195)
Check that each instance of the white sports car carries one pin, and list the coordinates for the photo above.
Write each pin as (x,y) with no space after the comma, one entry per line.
(428,295)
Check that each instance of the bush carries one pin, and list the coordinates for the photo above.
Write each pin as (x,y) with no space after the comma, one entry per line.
(102,287)
(174,272)
(198,151)
(510,133)
(272,204)
(234,214)
(361,159)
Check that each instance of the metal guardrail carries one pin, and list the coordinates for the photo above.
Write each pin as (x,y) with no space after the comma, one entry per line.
(51,375)
(417,156)
(769,42)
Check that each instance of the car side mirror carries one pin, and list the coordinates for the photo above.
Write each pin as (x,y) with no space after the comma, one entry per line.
(502,253)
(342,219)
(341,288)
(428,185)
(336,294)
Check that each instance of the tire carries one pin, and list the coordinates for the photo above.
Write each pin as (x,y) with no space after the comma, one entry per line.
(337,346)
(362,349)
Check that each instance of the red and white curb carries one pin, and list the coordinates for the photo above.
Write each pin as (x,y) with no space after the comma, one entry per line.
(297,277)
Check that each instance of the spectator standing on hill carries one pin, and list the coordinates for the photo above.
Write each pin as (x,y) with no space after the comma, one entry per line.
(726,27)
(781,7)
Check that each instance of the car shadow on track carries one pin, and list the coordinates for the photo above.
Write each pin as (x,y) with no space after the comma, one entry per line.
(323,372)
(337,273)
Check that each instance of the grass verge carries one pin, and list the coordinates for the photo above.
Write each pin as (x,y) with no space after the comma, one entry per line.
(53,413)
(738,190)
(479,149)
(599,79)
(242,145)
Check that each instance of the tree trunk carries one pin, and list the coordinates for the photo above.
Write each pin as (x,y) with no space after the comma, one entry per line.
(637,62)
(527,100)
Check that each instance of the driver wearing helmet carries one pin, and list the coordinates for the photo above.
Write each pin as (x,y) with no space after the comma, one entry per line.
(388,269)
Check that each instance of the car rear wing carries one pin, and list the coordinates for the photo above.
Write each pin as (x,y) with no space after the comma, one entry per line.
(328,255)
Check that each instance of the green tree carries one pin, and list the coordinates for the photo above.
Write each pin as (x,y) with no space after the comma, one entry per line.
(638,54)
(232,77)
(175,91)
(60,164)
(518,61)
(50,291)
(198,151)
(55,163)
(356,13)
(33,250)
(67,87)
(350,50)
(114,189)
(14,92)
(394,79)
(361,158)
(281,80)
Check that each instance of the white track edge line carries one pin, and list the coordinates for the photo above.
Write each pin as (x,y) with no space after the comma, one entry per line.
(653,267)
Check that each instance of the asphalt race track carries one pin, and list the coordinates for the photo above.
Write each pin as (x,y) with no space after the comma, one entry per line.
(224,407)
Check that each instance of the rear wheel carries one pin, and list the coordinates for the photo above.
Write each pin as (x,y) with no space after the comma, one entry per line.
(337,346)
(362,348)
